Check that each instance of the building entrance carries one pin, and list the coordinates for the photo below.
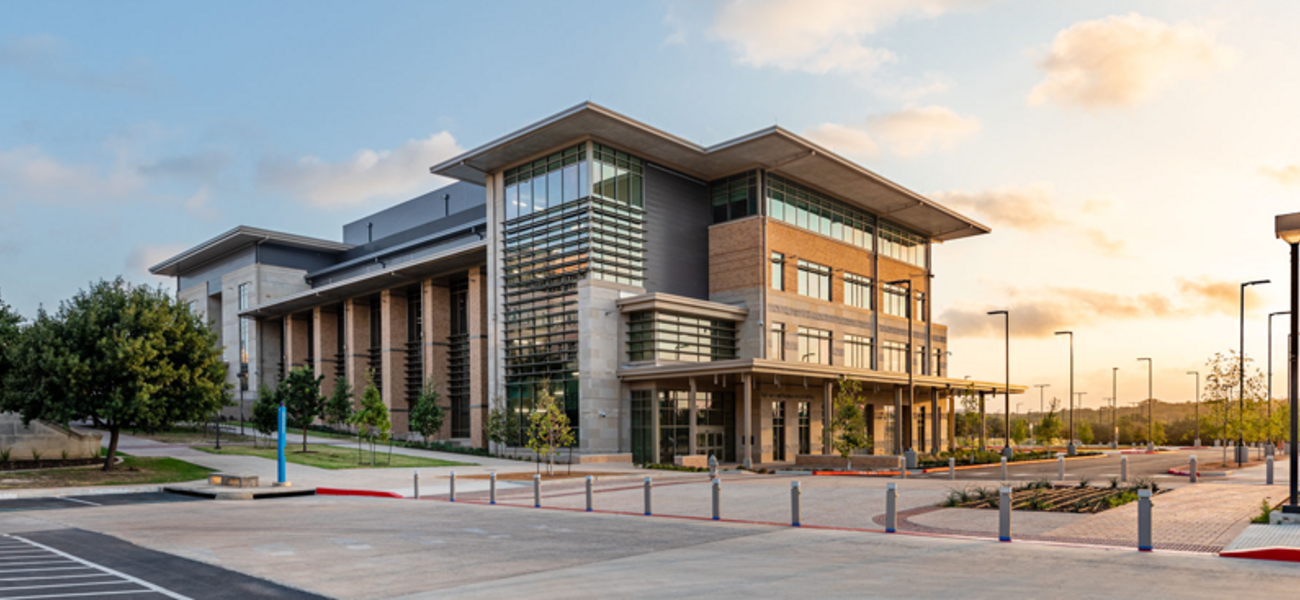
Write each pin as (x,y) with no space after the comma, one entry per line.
(778,431)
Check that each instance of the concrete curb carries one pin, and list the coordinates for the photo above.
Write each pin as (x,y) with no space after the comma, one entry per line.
(1275,554)
(368,493)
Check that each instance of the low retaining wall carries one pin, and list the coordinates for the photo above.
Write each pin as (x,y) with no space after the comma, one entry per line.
(51,441)
(866,461)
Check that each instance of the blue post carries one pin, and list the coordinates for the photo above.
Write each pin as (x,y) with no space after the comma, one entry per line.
(280,446)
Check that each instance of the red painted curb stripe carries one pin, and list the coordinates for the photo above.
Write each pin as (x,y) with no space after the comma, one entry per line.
(1280,554)
(343,492)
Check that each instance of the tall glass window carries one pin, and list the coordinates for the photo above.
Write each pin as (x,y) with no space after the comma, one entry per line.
(920,306)
(814,346)
(893,357)
(809,209)
(778,341)
(895,299)
(735,196)
(778,271)
(898,243)
(857,291)
(857,351)
(546,182)
(244,334)
(667,336)
(814,280)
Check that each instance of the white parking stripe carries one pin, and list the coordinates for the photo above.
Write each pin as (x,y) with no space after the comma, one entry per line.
(38,577)
(66,585)
(80,595)
(141,582)
(79,500)
(46,569)
(40,562)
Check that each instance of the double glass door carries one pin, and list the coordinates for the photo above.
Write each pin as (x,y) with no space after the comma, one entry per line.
(778,431)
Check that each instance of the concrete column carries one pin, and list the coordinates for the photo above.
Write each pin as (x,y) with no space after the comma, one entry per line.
(934,420)
(392,342)
(827,416)
(295,342)
(898,421)
(356,333)
(749,421)
(325,321)
(692,447)
(437,327)
(952,422)
(478,357)
(982,430)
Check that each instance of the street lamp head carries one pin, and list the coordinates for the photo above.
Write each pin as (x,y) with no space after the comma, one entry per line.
(1287,228)
(1256,282)
(1065,333)
(1146,359)
(999,312)
(900,282)
(1193,372)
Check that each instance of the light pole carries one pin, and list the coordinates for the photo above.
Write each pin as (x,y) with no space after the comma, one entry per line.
(1114,402)
(1070,448)
(898,410)
(1080,396)
(1006,448)
(1151,406)
(1270,365)
(1197,443)
(1041,409)
(1287,228)
(1241,371)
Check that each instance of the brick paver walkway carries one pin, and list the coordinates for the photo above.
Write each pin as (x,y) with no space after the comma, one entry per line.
(1267,536)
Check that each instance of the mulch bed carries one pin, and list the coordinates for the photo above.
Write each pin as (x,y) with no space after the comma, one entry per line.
(1087,500)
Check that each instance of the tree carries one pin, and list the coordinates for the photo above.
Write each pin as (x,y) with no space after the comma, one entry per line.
(339,406)
(1019,431)
(9,334)
(1085,433)
(548,427)
(849,426)
(498,423)
(372,419)
(1223,395)
(266,411)
(1049,427)
(300,393)
(120,356)
(427,414)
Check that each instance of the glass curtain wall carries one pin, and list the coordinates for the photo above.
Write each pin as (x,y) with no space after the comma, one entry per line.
(672,337)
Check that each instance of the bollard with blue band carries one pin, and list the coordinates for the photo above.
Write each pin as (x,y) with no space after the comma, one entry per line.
(280,448)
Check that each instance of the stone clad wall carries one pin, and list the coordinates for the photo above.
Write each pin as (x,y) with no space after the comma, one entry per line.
(47,439)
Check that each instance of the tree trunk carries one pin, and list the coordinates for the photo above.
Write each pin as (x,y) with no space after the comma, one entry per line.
(112,447)
(304,438)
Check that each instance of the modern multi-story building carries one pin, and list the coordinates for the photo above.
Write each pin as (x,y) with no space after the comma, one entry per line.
(681,300)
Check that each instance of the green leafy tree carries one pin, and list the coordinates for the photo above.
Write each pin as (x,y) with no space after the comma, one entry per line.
(1019,431)
(428,415)
(1050,427)
(1085,433)
(303,404)
(849,426)
(548,427)
(339,405)
(372,419)
(1223,394)
(120,356)
(9,335)
(498,423)
(266,412)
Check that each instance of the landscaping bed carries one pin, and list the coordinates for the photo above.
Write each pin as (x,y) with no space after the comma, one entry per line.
(1044,496)
(336,457)
(132,470)
(989,457)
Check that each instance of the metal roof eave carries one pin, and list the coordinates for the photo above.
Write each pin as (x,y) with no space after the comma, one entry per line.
(237,238)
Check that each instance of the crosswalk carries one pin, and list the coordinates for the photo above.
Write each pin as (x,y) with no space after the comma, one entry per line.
(31,571)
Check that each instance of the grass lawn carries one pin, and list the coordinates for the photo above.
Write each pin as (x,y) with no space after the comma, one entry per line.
(132,470)
(337,457)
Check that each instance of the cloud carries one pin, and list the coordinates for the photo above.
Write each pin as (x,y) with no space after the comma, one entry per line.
(907,133)
(47,57)
(1041,312)
(28,171)
(197,205)
(1123,60)
(1286,174)
(143,256)
(1026,208)
(368,175)
(200,166)
(1104,243)
(819,37)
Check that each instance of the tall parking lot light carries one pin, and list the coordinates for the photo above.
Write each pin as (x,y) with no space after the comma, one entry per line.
(1151,405)
(1198,406)
(1287,228)
(1270,363)
(1006,448)
(1070,449)
(1241,370)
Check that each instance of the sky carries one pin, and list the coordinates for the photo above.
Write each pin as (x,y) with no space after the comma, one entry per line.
(1129,156)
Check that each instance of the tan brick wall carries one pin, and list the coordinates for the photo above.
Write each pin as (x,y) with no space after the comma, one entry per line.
(437,326)
(736,255)
(295,341)
(478,400)
(357,331)
(325,321)
(392,303)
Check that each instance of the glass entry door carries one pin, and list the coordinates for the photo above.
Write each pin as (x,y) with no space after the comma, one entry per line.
(805,429)
(778,431)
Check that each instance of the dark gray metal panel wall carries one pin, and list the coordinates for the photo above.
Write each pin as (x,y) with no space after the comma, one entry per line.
(676,235)
(294,258)
(416,211)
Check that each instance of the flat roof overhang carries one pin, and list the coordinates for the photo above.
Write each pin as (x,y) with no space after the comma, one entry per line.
(236,239)
(443,263)
(757,366)
(774,148)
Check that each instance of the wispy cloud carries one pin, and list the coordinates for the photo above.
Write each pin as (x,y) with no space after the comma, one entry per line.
(907,133)
(199,166)
(1032,208)
(143,256)
(50,58)
(368,175)
(1285,174)
(28,171)
(817,36)
(1123,60)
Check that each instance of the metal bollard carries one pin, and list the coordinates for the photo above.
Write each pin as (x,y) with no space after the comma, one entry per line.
(1123,468)
(1191,472)
(453,486)
(492,489)
(647,496)
(1268,471)
(952,468)
(717,499)
(713,466)
(589,493)
(1060,468)
(1004,468)
(537,491)
(1004,515)
(417,485)
(891,508)
(795,492)
(1144,520)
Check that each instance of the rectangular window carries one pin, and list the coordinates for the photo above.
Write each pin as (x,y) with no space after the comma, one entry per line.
(893,357)
(814,346)
(778,341)
(806,208)
(778,271)
(814,280)
(895,300)
(734,197)
(857,351)
(903,245)
(920,306)
(672,337)
(857,291)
